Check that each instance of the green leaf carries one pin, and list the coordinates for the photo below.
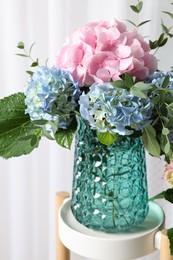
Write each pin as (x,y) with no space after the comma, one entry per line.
(140,89)
(165,119)
(30,72)
(31,47)
(169,91)
(150,142)
(34,64)
(25,138)
(40,122)
(153,45)
(22,55)
(20,45)
(165,131)
(137,8)
(159,196)
(161,39)
(170,236)
(34,140)
(170,35)
(169,195)
(46,62)
(164,143)
(64,137)
(47,134)
(168,13)
(107,138)
(131,23)
(134,8)
(144,22)
(167,147)
(12,127)
(170,109)
(163,42)
(156,100)
(118,84)
(165,29)
(160,42)
(155,121)
(128,80)
(165,81)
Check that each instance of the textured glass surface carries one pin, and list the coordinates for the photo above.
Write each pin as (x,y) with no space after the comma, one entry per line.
(109,182)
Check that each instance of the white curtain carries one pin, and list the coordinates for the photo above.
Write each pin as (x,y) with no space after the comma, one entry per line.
(28,184)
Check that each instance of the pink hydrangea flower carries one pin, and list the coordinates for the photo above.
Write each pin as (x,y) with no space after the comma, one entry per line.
(102,51)
(168,173)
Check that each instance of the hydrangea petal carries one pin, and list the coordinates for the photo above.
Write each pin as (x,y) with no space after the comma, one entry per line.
(90,45)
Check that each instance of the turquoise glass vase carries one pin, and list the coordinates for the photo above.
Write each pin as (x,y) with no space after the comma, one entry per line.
(109,183)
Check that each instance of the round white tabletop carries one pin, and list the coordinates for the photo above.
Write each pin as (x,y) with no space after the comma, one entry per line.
(86,242)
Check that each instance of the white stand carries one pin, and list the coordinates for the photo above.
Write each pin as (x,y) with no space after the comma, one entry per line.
(135,243)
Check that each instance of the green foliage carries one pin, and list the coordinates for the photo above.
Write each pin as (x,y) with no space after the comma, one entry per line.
(27,54)
(141,89)
(167,195)
(166,30)
(162,40)
(119,84)
(126,82)
(165,82)
(64,137)
(150,141)
(35,63)
(137,8)
(17,134)
(20,45)
(30,72)
(163,118)
(159,196)
(144,22)
(170,14)
(107,138)
(131,22)
(170,236)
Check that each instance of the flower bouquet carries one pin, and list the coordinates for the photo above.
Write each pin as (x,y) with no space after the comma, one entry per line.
(106,83)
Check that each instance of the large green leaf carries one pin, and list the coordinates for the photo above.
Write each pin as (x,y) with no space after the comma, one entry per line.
(107,138)
(64,137)
(15,125)
(150,142)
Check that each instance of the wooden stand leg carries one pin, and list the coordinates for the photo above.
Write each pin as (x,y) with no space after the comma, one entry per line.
(164,247)
(62,253)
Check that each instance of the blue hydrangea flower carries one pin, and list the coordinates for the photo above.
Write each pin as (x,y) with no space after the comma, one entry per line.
(52,94)
(158,77)
(115,110)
